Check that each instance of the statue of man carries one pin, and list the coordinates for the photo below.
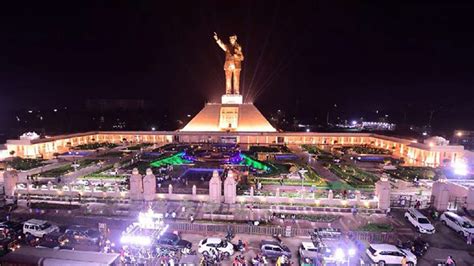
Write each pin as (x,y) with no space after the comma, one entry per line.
(232,65)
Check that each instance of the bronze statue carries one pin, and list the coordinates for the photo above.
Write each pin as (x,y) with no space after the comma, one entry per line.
(232,65)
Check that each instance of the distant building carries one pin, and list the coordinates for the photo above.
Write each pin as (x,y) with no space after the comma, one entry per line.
(378,126)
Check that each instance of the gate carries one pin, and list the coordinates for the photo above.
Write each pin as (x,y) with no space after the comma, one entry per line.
(406,201)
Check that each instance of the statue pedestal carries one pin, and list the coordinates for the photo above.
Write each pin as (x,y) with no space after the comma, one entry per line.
(232,99)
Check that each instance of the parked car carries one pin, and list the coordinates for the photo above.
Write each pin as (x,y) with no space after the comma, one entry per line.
(224,247)
(419,221)
(273,249)
(308,253)
(460,224)
(383,254)
(172,241)
(38,228)
(82,234)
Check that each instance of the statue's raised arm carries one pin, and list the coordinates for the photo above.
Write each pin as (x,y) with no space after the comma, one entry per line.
(219,42)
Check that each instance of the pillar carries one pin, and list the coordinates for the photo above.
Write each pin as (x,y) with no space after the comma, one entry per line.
(149,185)
(357,196)
(382,191)
(10,179)
(440,195)
(215,188)
(470,199)
(330,195)
(230,188)
(136,185)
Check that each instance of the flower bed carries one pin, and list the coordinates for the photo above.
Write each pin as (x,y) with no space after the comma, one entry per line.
(365,149)
(25,164)
(353,176)
(376,227)
(94,146)
(409,173)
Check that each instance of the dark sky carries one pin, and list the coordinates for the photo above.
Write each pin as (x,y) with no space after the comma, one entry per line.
(302,57)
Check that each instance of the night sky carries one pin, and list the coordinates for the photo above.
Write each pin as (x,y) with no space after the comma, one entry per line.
(405,60)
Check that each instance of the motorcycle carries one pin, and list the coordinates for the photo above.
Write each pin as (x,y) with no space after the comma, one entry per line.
(416,246)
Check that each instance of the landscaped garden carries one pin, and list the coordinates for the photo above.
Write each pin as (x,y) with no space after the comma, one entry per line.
(96,145)
(270,149)
(353,176)
(364,149)
(376,227)
(139,146)
(63,170)
(25,164)
(409,173)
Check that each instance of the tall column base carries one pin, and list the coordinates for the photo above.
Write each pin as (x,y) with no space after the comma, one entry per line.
(232,99)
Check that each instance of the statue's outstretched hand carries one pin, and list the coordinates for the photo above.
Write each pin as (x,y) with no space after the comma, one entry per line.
(215,36)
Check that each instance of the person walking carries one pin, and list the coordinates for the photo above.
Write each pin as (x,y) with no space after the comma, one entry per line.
(450,261)
(404,261)
(469,238)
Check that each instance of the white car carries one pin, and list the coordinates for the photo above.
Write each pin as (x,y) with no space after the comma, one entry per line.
(419,221)
(38,228)
(213,243)
(461,225)
(383,254)
(308,252)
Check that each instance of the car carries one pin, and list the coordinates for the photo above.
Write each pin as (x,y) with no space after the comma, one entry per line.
(460,224)
(419,221)
(11,227)
(383,254)
(309,254)
(273,249)
(82,234)
(38,228)
(206,246)
(53,240)
(172,241)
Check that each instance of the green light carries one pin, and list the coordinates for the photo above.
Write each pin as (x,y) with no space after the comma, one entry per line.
(176,159)
(250,162)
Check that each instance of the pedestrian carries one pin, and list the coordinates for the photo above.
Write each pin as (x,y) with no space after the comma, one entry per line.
(173,215)
(450,261)
(469,238)
(417,204)
(404,261)
(191,218)
(281,181)
(294,218)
